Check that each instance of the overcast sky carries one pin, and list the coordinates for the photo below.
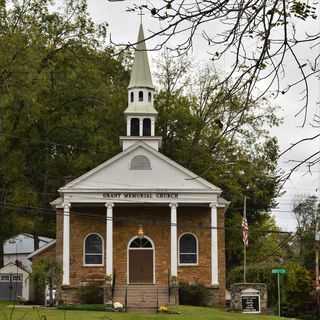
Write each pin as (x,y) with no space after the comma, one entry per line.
(124,28)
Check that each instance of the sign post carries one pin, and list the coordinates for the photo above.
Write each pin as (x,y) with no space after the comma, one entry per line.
(278,272)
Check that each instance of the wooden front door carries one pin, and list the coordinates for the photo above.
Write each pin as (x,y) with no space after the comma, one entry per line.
(141,266)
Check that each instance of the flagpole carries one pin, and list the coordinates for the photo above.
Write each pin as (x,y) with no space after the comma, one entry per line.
(244,243)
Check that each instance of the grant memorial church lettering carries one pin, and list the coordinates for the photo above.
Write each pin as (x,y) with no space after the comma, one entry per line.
(139,224)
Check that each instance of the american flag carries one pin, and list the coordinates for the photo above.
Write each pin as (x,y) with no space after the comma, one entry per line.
(245,231)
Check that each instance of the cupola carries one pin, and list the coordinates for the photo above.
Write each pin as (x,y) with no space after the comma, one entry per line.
(140,113)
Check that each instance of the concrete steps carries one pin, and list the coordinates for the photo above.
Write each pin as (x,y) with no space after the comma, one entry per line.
(142,297)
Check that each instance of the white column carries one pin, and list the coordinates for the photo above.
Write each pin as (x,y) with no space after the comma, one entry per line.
(173,232)
(152,127)
(140,126)
(128,126)
(109,239)
(66,244)
(214,245)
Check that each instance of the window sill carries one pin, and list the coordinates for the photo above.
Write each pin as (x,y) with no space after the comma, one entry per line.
(93,265)
(188,264)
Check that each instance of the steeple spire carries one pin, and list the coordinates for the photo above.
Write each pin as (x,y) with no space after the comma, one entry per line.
(140,74)
(141,114)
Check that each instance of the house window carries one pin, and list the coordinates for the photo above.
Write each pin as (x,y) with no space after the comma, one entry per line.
(93,250)
(188,249)
(149,96)
(4,277)
(17,277)
(146,127)
(131,97)
(134,129)
(140,95)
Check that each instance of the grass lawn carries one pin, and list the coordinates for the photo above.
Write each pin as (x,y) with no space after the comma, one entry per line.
(187,313)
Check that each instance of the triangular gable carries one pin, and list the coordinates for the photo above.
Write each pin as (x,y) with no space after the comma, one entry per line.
(117,174)
(8,268)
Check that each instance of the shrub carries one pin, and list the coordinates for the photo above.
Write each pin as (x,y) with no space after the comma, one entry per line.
(193,294)
(298,288)
(91,294)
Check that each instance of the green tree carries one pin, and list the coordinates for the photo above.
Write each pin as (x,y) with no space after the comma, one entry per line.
(298,289)
(46,272)
(221,138)
(306,210)
(62,96)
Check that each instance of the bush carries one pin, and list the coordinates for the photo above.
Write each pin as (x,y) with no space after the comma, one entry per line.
(91,294)
(298,288)
(193,294)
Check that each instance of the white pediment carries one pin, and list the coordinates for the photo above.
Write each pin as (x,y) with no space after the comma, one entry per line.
(140,168)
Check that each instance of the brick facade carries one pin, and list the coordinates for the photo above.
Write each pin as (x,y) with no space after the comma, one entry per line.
(48,253)
(156,225)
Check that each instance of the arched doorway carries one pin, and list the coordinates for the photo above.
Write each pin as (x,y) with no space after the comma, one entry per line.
(141,260)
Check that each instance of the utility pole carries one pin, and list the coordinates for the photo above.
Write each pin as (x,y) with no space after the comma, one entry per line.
(317,243)
(279,296)
(317,240)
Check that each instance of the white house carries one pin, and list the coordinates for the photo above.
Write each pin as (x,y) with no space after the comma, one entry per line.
(15,275)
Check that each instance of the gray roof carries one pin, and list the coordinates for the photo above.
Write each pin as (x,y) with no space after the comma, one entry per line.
(140,73)
(22,243)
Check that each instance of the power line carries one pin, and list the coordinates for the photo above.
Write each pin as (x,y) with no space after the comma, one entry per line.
(49,142)
(125,219)
(276,252)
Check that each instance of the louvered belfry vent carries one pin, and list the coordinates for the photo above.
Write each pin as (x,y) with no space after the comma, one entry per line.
(140,162)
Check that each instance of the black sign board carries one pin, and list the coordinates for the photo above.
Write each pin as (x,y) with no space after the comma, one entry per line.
(250,303)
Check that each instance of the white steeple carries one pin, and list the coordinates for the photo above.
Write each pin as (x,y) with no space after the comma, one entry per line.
(140,113)
(140,73)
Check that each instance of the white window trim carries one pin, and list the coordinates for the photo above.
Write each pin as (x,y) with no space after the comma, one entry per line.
(197,251)
(84,264)
(154,256)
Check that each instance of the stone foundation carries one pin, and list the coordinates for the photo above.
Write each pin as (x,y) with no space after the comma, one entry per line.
(107,293)
(174,295)
(217,297)
(68,295)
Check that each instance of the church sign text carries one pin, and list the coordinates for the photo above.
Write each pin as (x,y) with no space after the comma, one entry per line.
(140,195)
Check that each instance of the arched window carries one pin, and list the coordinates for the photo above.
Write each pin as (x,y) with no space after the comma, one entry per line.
(140,243)
(146,127)
(140,95)
(134,127)
(188,249)
(140,162)
(93,250)
(131,96)
(149,96)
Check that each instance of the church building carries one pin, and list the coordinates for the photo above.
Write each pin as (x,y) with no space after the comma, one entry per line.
(139,224)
